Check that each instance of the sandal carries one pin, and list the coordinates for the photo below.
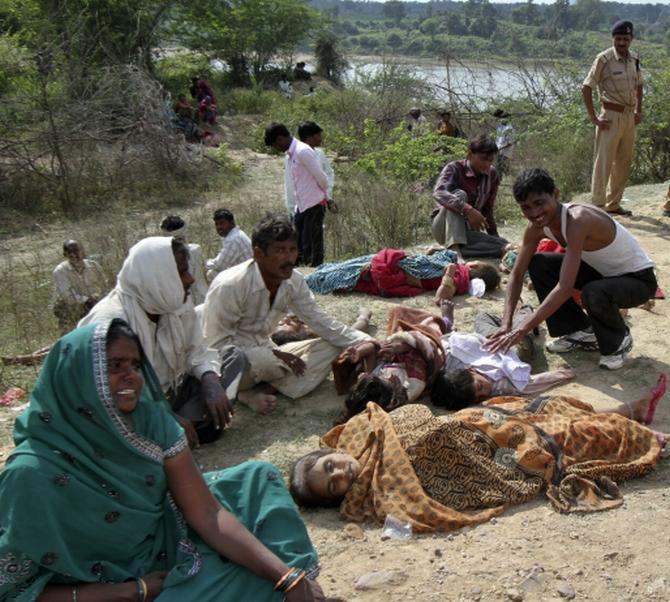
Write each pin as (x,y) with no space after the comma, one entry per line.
(657,392)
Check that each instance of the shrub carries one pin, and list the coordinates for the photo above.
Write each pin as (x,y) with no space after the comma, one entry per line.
(412,159)
(376,213)
(175,71)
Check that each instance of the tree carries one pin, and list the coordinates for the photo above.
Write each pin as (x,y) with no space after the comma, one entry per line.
(455,25)
(562,17)
(246,33)
(526,14)
(330,63)
(85,34)
(430,26)
(588,14)
(483,15)
(394,10)
(394,40)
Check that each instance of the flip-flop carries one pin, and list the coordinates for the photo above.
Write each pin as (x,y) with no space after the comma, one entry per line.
(657,392)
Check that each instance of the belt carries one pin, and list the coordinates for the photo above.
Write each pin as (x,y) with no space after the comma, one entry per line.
(610,106)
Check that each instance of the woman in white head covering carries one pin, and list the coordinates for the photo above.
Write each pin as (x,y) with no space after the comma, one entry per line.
(151,294)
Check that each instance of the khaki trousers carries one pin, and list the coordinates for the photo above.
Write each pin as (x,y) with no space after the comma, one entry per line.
(613,156)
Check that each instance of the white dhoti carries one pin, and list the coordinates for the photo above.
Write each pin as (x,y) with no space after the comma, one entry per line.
(265,366)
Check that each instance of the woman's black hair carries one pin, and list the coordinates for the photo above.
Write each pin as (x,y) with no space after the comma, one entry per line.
(453,389)
(120,329)
(375,389)
(281,338)
(488,273)
(298,486)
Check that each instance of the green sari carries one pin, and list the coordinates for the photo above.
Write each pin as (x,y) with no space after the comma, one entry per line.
(84,498)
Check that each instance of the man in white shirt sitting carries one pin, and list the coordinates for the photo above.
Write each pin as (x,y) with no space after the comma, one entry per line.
(235,244)
(79,284)
(244,305)
(310,186)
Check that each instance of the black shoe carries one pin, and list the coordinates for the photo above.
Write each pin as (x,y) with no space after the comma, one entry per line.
(619,211)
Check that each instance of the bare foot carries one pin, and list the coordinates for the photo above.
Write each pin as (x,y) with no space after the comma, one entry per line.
(447,309)
(364,313)
(258,401)
(643,409)
(362,322)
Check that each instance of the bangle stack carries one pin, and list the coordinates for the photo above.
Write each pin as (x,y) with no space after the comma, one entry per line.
(142,589)
(290,579)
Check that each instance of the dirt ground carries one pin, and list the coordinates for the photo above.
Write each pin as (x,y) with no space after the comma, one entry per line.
(530,552)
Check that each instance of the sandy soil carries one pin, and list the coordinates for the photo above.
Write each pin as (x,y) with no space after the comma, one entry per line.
(530,552)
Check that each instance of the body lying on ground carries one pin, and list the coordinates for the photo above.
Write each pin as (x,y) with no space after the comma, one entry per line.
(441,473)
(394,273)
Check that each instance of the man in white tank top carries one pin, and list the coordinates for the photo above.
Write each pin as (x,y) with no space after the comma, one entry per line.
(602,260)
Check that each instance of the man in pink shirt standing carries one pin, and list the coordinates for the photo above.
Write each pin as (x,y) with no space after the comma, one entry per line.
(310,184)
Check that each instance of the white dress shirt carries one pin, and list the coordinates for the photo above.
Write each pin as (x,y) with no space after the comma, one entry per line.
(235,248)
(289,192)
(75,287)
(304,177)
(237,310)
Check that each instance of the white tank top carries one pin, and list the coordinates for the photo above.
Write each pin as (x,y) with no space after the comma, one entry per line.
(623,255)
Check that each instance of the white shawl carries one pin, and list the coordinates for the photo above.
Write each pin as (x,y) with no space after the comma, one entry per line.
(149,283)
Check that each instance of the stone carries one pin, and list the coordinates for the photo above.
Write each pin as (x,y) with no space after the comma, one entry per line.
(380,579)
(353,531)
(438,552)
(514,595)
(566,590)
(610,555)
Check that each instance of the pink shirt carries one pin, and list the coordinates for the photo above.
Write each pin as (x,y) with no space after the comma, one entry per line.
(310,182)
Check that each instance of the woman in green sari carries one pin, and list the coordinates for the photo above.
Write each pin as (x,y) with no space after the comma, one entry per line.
(102,501)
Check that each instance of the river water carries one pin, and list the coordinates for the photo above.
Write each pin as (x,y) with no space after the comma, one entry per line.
(465,81)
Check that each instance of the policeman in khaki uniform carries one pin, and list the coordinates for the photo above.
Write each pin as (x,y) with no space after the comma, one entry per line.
(616,74)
